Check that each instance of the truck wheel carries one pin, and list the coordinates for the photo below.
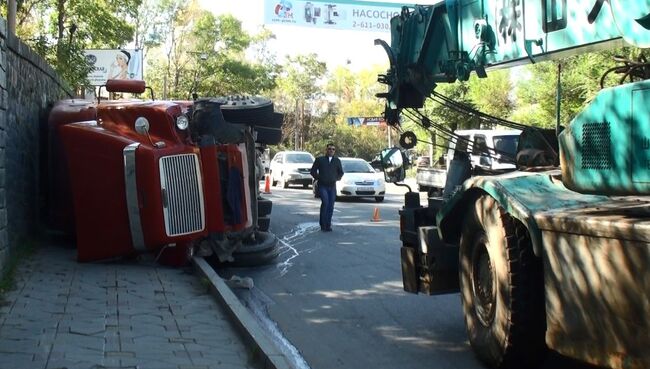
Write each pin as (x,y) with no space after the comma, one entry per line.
(501,286)
(268,136)
(263,223)
(261,252)
(249,110)
(264,207)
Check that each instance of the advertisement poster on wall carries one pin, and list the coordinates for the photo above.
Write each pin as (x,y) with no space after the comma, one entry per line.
(343,15)
(114,64)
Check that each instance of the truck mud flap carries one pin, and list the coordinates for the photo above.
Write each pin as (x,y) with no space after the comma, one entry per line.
(409,271)
(439,262)
(432,268)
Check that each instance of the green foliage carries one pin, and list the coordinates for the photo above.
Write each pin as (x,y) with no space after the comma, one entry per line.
(580,82)
(492,95)
(59,30)
(361,142)
(206,55)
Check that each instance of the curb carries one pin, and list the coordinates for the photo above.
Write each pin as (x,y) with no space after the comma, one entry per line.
(249,328)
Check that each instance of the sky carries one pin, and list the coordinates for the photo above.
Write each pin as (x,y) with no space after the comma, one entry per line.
(351,48)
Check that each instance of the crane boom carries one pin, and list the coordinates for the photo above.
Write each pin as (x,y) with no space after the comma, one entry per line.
(447,41)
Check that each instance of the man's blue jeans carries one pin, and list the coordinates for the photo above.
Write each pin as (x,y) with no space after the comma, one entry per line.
(327,198)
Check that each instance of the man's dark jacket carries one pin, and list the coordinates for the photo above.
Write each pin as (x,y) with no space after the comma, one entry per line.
(326,172)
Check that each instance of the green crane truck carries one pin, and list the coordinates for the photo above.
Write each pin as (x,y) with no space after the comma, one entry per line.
(555,255)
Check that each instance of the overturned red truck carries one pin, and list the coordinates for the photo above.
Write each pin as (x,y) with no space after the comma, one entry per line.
(165,177)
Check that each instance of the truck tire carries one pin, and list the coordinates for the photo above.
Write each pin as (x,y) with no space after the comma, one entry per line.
(263,223)
(262,252)
(501,286)
(248,110)
(268,136)
(264,207)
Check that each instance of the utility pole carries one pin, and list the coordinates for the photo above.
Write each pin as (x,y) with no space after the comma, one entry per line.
(295,145)
(389,140)
(11,16)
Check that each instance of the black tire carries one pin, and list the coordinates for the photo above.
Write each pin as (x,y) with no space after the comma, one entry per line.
(248,110)
(264,207)
(268,136)
(263,223)
(273,181)
(501,286)
(276,121)
(379,198)
(263,252)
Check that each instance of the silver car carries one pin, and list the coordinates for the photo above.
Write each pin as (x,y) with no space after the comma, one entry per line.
(291,167)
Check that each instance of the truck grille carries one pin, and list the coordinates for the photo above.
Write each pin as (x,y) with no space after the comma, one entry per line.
(180,182)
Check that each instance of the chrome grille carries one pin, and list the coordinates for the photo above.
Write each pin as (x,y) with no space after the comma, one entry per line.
(180,182)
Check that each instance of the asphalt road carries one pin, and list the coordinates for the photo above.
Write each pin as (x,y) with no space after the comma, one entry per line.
(335,300)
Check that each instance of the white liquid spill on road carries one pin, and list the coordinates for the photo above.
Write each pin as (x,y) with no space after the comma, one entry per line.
(255,303)
(287,242)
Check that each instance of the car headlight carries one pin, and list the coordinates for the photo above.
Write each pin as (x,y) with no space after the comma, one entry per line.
(380,181)
(182,122)
(348,181)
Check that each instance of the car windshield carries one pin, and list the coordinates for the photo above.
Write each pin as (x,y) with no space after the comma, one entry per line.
(506,144)
(356,166)
(299,159)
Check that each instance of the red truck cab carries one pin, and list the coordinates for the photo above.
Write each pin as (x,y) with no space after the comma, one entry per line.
(134,176)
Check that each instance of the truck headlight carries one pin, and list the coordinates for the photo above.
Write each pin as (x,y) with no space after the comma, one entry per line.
(182,122)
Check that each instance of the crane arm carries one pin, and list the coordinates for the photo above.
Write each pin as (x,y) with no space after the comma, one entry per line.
(448,41)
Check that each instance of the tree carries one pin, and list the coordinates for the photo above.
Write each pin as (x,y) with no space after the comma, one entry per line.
(492,95)
(60,30)
(206,55)
(297,84)
(580,81)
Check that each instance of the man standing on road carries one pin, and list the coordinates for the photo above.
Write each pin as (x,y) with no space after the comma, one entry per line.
(327,170)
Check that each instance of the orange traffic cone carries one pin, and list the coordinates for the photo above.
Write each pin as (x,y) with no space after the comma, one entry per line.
(375,215)
(267,185)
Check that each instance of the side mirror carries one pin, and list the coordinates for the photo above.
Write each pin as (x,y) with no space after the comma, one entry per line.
(394,163)
(485,161)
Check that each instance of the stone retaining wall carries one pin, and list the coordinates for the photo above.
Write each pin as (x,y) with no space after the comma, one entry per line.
(28,87)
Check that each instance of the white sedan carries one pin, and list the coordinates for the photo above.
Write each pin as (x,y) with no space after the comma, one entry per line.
(359,180)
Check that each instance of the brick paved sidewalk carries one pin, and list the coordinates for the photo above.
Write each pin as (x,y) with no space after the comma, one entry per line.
(64,314)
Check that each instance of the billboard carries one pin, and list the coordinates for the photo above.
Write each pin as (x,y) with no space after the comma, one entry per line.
(344,14)
(114,64)
(366,121)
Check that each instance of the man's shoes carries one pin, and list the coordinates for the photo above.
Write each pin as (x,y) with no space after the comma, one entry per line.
(327,229)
